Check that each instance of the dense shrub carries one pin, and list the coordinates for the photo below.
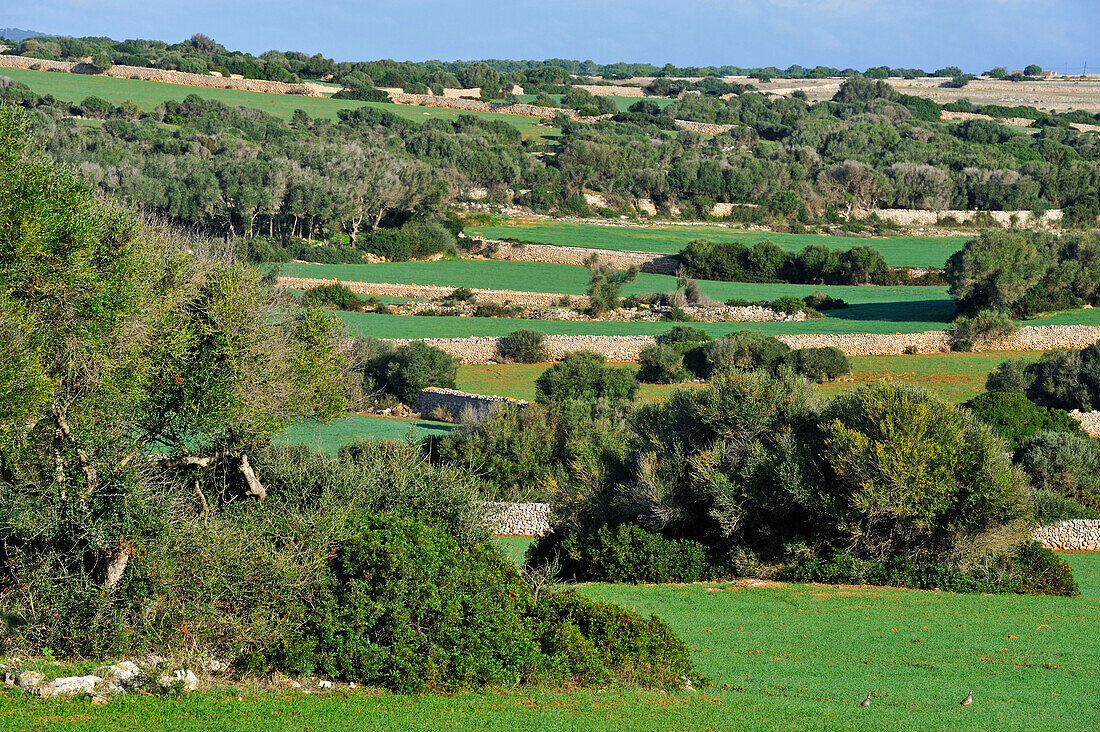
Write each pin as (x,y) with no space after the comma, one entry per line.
(412,367)
(819,364)
(662,364)
(1025,272)
(1030,569)
(821,301)
(625,553)
(767,262)
(1014,417)
(415,240)
(595,642)
(586,376)
(604,286)
(984,327)
(745,349)
(692,343)
(1064,463)
(334,295)
(524,346)
(363,94)
(1066,379)
(1010,376)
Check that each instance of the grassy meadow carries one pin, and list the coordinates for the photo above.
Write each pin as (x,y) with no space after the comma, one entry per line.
(331,436)
(147,95)
(899,251)
(779,656)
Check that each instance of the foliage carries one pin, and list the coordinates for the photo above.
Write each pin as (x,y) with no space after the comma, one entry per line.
(415,366)
(1025,272)
(585,376)
(1066,379)
(335,295)
(626,553)
(524,346)
(984,327)
(819,364)
(767,262)
(415,240)
(662,364)
(1015,418)
(1010,376)
(1030,569)
(603,288)
(1065,463)
(745,349)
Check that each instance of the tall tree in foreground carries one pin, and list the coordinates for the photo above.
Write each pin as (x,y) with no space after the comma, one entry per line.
(129,354)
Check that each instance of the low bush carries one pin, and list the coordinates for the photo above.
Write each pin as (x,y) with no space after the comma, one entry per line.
(767,262)
(585,376)
(362,94)
(747,350)
(625,553)
(662,364)
(404,371)
(1064,463)
(821,301)
(524,346)
(819,364)
(1066,379)
(493,310)
(414,240)
(1030,569)
(334,295)
(461,294)
(985,327)
(1050,508)
(1014,417)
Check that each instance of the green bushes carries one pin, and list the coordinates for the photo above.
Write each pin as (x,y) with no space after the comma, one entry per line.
(984,327)
(819,364)
(1030,569)
(662,364)
(1064,463)
(585,376)
(415,240)
(747,350)
(1066,379)
(625,553)
(402,372)
(604,286)
(335,295)
(1017,419)
(524,346)
(767,262)
(1025,272)
(752,469)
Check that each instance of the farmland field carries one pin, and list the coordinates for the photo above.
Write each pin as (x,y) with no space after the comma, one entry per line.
(331,436)
(787,656)
(148,94)
(899,251)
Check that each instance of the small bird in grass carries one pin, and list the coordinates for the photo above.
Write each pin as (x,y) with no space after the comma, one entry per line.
(866,702)
(968,700)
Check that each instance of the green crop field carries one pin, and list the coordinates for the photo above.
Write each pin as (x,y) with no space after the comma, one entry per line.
(780,656)
(148,94)
(899,251)
(331,436)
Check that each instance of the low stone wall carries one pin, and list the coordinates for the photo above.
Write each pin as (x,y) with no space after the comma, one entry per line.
(1077,535)
(520,252)
(627,348)
(962,116)
(1090,421)
(457,404)
(600,90)
(476,105)
(705,128)
(915,217)
(162,75)
(518,519)
(429,292)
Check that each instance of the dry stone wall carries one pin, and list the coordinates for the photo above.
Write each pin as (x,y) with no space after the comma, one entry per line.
(705,128)
(520,252)
(1018,121)
(387,289)
(482,349)
(518,519)
(1090,421)
(1077,535)
(914,217)
(163,75)
(457,404)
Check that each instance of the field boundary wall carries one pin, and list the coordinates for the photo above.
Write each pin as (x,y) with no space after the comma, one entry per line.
(430,292)
(162,75)
(518,519)
(482,349)
(458,404)
(1076,535)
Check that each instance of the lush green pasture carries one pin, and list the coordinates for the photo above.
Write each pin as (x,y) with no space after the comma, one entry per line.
(517,380)
(780,657)
(331,436)
(899,251)
(148,94)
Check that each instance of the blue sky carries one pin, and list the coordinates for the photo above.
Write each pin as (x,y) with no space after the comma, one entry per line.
(973,34)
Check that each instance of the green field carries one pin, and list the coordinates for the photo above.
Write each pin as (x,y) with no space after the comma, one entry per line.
(899,251)
(787,656)
(331,436)
(148,94)
(624,103)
